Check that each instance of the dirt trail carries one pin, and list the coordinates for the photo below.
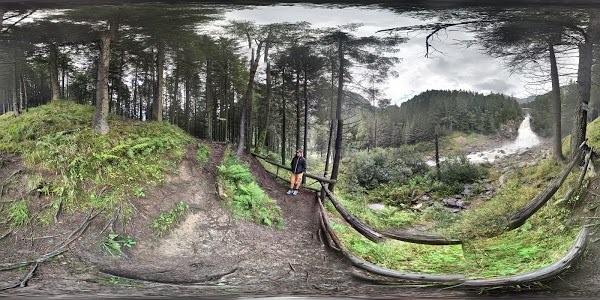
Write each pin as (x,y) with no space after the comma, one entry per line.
(212,254)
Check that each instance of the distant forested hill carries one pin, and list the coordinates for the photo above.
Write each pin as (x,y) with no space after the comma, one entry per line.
(416,119)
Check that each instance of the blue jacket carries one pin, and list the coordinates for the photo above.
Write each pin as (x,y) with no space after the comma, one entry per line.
(298,166)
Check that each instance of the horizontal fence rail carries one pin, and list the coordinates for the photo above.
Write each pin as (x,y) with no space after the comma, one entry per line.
(315,177)
(516,220)
(519,218)
(542,274)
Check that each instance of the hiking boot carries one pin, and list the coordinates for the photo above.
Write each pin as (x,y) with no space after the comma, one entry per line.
(295,192)
(289,192)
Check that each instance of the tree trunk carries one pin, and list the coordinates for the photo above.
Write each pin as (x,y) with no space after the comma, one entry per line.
(584,73)
(15,82)
(1,17)
(305,140)
(187,103)
(265,129)
(437,155)
(248,99)
(25,102)
(157,109)
(53,64)
(283,121)
(176,93)
(209,102)
(99,122)
(556,106)
(135,90)
(298,108)
(119,111)
(338,139)
(20,85)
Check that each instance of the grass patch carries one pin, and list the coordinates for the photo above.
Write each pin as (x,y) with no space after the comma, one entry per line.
(166,221)
(244,196)
(488,250)
(510,253)
(18,214)
(56,140)
(202,154)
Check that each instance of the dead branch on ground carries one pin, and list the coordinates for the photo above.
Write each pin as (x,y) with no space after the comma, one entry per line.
(59,248)
(23,282)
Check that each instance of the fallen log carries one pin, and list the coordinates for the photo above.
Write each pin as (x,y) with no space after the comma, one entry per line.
(367,266)
(519,218)
(569,193)
(419,237)
(542,274)
(362,228)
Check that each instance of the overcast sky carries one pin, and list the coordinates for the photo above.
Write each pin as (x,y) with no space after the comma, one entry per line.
(458,67)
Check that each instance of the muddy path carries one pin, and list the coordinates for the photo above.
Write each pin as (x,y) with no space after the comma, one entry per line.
(212,254)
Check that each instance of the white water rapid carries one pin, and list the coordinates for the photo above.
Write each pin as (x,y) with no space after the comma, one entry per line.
(526,138)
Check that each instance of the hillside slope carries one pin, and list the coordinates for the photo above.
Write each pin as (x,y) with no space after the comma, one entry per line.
(208,253)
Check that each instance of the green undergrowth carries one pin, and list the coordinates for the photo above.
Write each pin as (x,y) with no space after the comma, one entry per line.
(202,154)
(113,243)
(72,164)
(488,250)
(244,195)
(510,253)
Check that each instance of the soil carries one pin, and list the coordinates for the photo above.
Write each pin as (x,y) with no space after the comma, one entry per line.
(212,254)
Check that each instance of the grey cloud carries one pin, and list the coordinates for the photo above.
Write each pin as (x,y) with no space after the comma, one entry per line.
(495,85)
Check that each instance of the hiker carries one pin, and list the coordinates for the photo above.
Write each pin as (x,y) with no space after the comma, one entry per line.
(298,168)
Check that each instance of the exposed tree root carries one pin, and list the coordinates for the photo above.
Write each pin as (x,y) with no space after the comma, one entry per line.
(59,248)
(111,222)
(209,278)
(23,282)
(5,234)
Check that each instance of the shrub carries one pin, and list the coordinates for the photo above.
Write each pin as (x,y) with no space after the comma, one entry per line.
(248,200)
(369,169)
(460,169)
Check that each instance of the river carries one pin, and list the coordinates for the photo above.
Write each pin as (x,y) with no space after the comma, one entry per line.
(526,139)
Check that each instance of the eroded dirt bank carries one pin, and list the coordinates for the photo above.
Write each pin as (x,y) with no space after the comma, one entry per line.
(211,254)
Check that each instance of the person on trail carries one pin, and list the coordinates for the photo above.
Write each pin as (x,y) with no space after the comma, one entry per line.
(298,168)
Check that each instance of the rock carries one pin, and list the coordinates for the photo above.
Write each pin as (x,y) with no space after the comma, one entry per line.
(449,201)
(419,205)
(377,206)
(458,196)
(455,211)
(426,197)
(467,192)
(461,204)
(489,188)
